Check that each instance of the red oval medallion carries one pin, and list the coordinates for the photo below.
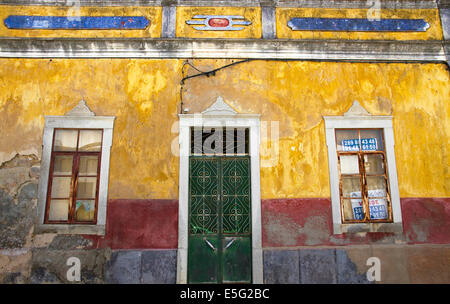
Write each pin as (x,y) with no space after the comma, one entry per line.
(218,22)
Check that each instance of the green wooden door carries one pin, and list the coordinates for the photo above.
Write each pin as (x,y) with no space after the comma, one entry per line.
(219,246)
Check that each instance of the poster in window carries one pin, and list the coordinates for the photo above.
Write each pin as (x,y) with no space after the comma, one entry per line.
(377,205)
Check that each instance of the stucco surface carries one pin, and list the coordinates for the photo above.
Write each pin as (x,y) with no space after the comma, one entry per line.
(144,95)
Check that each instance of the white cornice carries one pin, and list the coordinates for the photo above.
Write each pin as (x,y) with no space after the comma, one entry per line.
(275,49)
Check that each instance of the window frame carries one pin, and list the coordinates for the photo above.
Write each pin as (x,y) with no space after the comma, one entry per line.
(363,178)
(86,121)
(362,121)
(75,174)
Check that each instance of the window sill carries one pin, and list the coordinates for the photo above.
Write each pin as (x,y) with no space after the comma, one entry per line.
(368,227)
(70,229)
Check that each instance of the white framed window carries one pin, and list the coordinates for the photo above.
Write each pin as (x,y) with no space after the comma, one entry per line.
(73,183)
(363,174)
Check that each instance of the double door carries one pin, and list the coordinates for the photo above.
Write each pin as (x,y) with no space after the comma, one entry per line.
(219,245)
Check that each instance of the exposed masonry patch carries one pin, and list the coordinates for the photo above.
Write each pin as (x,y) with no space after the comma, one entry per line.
(49,266)
(17,171)
(43,240)
(18,194)
(20,160)
(287,233)
(16,216)
(347,270)
(69,242)
(14,266)
(10,159)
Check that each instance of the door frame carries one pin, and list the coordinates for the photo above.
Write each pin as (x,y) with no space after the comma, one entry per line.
(213,119)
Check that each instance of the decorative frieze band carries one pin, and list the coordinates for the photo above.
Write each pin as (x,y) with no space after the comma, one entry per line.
(391,4)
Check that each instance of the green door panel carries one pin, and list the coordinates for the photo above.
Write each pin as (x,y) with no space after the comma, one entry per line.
(219,245)
(203,259)
(236,258)
(203,195)
(235,182)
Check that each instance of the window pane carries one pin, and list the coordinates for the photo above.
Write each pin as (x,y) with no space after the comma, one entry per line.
(376,186)
(372,140)
(374,163)
(65,140)
(349,164)
(351,186)
(353,209)
(63,165)
(87,187)
(347,140)
(378,209)
(59,210)
(85,210)
(88,165)
(209,141)
(90,140)
(61,187)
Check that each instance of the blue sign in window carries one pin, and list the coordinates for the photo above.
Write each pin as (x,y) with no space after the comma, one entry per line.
(367,144)
(378,212)
(358,213)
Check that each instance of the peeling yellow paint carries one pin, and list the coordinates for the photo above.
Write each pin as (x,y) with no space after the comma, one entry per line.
(283,15)
(153,14)
(143,94)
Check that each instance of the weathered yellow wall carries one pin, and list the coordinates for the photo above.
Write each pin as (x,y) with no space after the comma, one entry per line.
(153,14)
(252,14)
(298,94)
(143,95)
(434,32)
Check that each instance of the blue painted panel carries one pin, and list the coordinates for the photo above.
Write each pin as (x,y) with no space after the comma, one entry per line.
(358,25)
(76,23)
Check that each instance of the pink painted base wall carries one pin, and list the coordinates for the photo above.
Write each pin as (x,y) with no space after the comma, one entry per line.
(153,224)
(308,222)
(140,224)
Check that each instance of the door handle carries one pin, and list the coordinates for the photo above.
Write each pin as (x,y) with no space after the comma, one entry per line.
(229,244)
(210,245)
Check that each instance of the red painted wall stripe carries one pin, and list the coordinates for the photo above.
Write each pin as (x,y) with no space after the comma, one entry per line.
(153,224)
(426,220)
(308,222)
(140,224)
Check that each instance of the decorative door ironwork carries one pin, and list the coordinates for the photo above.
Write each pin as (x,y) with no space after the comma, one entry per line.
(219,220)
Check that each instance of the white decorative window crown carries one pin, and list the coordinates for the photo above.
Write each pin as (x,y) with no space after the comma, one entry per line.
(220,107)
